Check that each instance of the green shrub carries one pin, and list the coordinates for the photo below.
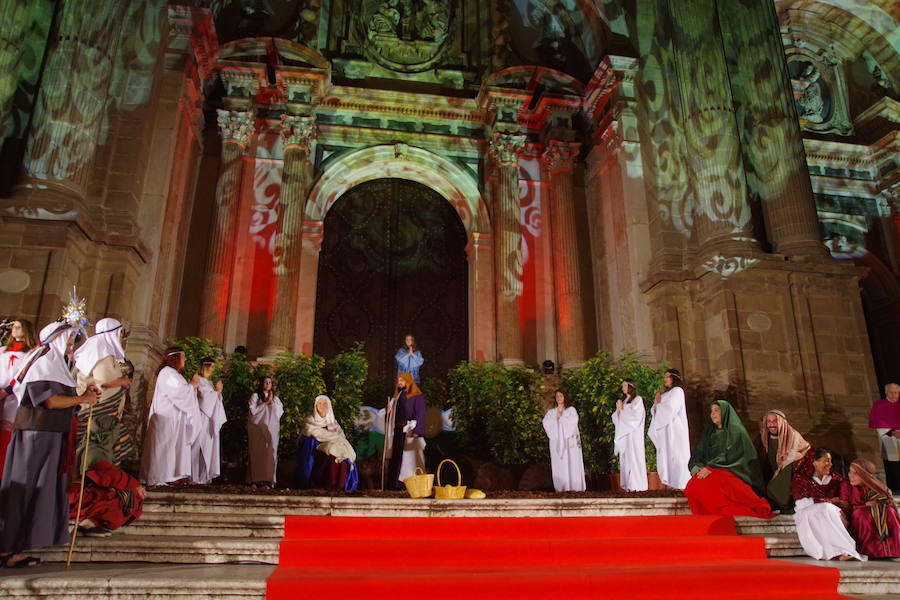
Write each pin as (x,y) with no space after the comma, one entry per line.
(593,390)
(298,380)
(348,374)
(498,412)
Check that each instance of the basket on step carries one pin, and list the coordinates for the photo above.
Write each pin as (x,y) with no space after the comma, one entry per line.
(449,492)
(419,485)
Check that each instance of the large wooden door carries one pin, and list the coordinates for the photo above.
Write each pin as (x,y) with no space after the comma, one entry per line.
(393,261)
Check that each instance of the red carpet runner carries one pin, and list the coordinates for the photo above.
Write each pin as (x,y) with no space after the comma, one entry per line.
(548,558)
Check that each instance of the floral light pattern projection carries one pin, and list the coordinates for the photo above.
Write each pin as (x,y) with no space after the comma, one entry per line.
(530,202)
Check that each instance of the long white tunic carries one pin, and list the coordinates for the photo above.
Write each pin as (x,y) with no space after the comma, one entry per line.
(629,445)
(821,530)
(263,427)
(566,460)
(669,433)
(172,426)
(205,458)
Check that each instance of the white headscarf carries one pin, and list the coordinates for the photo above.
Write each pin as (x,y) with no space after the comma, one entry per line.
(329,412)
(106,342)
(47,362)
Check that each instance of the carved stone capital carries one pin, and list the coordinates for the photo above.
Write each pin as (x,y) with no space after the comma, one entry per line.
(236,126)
(560,155)
(506,147)
(298,131)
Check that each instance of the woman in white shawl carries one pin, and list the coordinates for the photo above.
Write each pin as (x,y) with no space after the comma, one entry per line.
(325,457)
(669,432)
(206,463)
(263,427)
(173,423)
(566,460)
(629,441)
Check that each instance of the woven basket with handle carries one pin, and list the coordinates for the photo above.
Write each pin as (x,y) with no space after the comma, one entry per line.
(419,485)
(449,492)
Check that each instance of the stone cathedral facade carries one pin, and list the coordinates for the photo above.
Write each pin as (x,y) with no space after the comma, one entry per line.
(713,183)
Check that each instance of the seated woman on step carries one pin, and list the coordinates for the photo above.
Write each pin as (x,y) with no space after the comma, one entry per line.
(821,525)
(724,469)
(873,517)
(325,459)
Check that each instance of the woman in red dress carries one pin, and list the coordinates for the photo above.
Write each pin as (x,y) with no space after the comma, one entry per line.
(873,518)
(725,470)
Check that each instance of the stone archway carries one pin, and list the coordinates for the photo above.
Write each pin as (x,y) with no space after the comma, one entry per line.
(454,183)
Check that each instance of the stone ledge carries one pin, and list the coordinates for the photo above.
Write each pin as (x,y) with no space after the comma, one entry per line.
(167,549)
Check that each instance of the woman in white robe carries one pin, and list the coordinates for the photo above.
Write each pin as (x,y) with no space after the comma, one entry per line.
(821,525)
(172,425)
(263,427)
(669,433)
(205,458)
(566,460)
(629,441)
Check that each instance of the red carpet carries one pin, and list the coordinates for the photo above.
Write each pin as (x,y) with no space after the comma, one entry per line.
(570,557)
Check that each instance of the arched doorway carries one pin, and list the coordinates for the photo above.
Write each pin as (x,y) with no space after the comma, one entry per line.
(393,260)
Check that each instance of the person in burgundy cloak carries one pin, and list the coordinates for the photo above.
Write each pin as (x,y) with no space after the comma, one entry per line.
(885,420)
(408,418)
(873,517)
(112,499)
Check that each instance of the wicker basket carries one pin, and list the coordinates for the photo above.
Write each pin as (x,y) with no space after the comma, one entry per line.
(449,492)
(419,485)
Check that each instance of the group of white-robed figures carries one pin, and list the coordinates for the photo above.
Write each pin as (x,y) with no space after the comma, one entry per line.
(668,431)
(184,423)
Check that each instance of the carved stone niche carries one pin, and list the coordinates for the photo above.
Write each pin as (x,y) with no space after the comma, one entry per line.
(820,92)
(405,35)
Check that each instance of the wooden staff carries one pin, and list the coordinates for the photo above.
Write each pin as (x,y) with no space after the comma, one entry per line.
(388,435)
(84,458)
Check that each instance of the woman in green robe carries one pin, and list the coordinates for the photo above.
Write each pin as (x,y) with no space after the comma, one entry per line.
(724,469)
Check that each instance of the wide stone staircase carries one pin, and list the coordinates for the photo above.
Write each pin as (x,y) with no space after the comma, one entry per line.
(193,545)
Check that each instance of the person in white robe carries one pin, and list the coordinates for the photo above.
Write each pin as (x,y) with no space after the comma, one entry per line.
(566,460)
(263,427)
(669,433)
(172,424)
(820,521)
(206,463)
(628,419)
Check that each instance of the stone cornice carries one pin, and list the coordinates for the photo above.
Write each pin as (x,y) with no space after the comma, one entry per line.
(818,151)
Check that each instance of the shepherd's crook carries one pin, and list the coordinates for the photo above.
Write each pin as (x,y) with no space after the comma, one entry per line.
(84,458)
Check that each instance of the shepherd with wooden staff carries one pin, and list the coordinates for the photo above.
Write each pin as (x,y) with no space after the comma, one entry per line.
(405,424)
(34,499)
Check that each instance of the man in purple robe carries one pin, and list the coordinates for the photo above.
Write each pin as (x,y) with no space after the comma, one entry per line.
(408,418)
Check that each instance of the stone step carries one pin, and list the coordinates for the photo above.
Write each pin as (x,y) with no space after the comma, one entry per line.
(167,549)
(348,506)
(206,525)
(130,581)
(869,579)
(754,526)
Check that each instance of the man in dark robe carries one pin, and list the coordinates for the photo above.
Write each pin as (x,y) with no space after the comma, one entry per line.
(781,447)
(34,501)
(408,419)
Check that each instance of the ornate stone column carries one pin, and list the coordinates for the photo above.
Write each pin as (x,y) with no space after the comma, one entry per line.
(722,214)
(769,126)
(236,128)
(297,133)
(508,268)
(558,159)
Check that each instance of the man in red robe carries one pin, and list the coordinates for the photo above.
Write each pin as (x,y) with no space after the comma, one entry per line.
(112,498)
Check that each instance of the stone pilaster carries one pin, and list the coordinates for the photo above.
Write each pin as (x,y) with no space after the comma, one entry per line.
(236,128)
(558,159)
(722,214)
(769,126)
(297,133)
(508,268)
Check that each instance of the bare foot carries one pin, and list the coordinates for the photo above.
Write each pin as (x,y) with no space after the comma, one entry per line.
(845,557)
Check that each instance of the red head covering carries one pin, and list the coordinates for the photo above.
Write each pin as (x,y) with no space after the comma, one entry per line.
(865,470)
(411,388)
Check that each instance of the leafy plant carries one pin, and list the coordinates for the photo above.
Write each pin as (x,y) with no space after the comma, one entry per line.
(348,373)
(498,412)
(239,380)
(436,392)
(298,380)
(593,390)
